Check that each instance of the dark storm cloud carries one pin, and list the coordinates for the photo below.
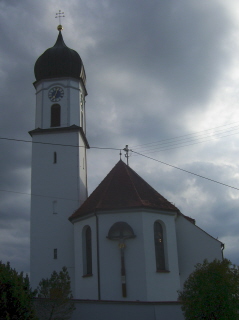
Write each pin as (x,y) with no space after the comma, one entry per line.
(158,61)
(17,117)
(178,45)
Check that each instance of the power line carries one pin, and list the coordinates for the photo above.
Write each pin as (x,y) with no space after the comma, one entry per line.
(38,142)
(186,140)
(110,148)
(57,144)
(186,136)
(158,149)
(140,154)
(195,174)
(181,146)
(160,145)
(118,149)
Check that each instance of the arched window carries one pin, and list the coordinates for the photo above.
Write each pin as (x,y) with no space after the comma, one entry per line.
(87,251)
(55,115)
(159,246)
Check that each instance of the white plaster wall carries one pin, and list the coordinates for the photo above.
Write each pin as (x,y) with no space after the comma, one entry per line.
(142,280)
(85,287)
(60,182)
(70,103)
(194,245)
(161,286)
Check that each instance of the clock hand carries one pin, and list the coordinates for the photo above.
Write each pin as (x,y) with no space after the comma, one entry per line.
(55,93)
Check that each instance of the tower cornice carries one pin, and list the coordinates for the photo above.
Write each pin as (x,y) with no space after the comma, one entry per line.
(59,130)
(59,80)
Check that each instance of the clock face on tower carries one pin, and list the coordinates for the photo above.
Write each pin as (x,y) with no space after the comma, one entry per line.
(55,94)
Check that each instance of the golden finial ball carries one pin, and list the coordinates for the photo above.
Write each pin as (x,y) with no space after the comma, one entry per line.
(59,28)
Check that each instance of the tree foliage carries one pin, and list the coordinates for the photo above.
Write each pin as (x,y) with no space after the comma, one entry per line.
(55,297)
(212,292)
(15,295)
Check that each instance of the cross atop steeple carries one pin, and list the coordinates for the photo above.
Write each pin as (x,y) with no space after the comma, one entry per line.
(60,15)
(126,149)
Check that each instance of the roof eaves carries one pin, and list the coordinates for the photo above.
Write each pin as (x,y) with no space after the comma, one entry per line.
(185,217)
(61,129)
(129,209)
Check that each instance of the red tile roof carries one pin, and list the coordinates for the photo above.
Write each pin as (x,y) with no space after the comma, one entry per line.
(123,188)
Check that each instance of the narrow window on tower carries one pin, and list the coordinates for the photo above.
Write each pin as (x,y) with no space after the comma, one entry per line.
(82,111)
(159,246)
(54,206)
(87,252)
(55,115)
(55,254)
(55,157)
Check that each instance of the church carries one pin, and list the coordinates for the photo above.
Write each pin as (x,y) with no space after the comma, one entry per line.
(123,243)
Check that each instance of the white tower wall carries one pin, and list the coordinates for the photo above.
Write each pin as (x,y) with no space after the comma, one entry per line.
(59,177)
(58,189)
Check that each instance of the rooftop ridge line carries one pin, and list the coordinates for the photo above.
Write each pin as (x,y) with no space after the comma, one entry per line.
(152,188)
(141,201)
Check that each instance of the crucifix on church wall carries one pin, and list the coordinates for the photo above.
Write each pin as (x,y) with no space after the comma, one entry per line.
(121,231)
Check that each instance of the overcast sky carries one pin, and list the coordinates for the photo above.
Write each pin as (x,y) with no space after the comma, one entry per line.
(162,77)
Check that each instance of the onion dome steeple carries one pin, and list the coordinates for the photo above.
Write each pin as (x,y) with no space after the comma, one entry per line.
(59,61)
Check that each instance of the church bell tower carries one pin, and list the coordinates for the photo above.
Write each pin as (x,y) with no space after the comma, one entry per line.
(59,166)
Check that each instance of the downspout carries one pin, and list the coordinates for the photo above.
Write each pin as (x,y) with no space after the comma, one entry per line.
(98,255)
(86,174)
(222,248)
